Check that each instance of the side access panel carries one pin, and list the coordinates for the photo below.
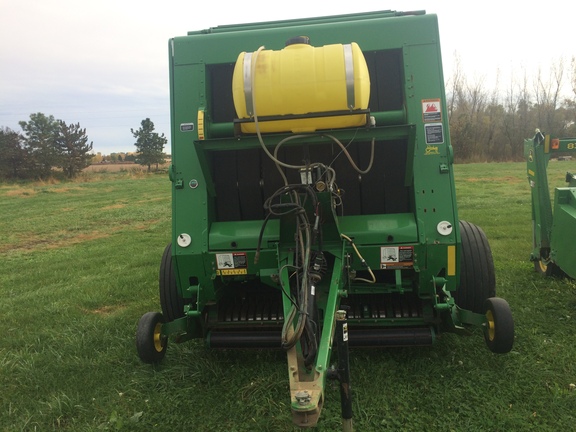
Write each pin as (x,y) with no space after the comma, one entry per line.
(564,230)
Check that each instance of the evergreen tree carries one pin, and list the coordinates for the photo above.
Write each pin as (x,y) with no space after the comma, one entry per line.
(74,151)
(14,157)
(40,133)
(149,145)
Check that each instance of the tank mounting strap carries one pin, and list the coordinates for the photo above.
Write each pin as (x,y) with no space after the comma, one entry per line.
(349,68)
(262,119)
(247,70)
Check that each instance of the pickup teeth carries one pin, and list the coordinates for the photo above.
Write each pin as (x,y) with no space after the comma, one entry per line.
(250,310)
(383,306)
(259,309)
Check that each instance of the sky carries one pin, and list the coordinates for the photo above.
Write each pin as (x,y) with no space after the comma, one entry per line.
(104,63)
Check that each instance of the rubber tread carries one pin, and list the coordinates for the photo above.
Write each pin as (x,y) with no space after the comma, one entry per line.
(145,338)
(477,275)
(503,326)
(171,301)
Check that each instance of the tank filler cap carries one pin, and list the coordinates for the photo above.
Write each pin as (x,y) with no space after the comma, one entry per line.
(298,40)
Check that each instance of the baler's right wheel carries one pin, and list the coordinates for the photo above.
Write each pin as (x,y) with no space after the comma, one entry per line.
(150,343)
(477,275)
(171,301)
(499,330)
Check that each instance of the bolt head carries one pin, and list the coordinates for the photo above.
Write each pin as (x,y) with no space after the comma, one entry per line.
(303,397)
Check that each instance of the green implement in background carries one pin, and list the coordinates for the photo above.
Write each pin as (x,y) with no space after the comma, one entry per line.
(554,224)
(313,199)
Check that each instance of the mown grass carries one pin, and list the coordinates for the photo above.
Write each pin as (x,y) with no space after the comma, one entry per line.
(78,267)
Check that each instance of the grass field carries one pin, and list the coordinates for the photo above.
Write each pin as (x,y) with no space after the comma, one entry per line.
(79,266)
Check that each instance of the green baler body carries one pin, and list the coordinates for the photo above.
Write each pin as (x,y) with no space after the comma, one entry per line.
(396,226)
(219,181)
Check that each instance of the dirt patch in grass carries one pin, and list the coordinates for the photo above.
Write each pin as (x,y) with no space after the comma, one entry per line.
(147,224)
(106,310)
(65,189)
(60,240)
(114,206)
(21,192)
(81,238)
(27,192)
(149,200)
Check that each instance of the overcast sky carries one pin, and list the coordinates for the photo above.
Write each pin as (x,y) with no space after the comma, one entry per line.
(104,63)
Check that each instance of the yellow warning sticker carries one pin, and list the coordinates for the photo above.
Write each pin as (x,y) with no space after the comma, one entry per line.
(231,272)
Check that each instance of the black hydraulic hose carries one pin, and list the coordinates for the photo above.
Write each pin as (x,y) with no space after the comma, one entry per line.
(341,336)
(311,329)
(259,245)
(290,339)
(303,308)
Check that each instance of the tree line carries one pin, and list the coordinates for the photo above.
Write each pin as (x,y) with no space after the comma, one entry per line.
(491,125)
(485,125)
(47,145)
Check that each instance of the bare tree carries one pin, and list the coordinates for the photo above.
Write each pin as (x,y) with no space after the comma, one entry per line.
(548,94)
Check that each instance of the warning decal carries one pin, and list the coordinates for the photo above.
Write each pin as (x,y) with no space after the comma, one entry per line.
(396,257)
(234,263)
(431,110)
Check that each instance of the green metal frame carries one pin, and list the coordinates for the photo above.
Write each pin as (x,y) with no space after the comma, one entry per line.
(426,228)
(554,222)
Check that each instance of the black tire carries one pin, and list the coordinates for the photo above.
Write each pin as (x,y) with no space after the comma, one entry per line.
(477,275)
(171,301)
(499,330)
(150,343)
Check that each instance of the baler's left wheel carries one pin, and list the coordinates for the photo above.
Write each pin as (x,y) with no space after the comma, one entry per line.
(499,329)
(150,343)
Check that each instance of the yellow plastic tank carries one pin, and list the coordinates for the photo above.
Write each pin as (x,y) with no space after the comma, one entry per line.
(301,80)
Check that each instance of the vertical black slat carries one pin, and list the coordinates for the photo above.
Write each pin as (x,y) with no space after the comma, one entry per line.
(373,184)
(271,179)
(370,58)
(222,106)
(225,177)
(397,198)
(386,80)
(249,191)
(294,155)
(390,72)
